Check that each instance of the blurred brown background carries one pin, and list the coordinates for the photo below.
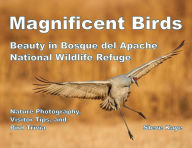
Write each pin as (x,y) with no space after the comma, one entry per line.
(164,95)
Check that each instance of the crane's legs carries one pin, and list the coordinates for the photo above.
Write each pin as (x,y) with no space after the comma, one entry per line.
(140,113)
(122,115)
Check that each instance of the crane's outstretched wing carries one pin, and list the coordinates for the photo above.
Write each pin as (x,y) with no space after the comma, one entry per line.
(83,90)
(145,68)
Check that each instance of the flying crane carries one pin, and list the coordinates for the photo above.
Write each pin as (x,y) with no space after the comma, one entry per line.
(113,92)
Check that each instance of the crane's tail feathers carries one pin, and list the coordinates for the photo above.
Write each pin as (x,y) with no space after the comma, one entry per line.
(108,104)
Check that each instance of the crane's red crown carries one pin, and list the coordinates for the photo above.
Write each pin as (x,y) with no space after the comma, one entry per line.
(135,78)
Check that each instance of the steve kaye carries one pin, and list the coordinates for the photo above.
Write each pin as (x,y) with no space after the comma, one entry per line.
(166,127)
(76,23)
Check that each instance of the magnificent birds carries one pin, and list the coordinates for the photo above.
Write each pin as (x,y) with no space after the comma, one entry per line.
(113,92)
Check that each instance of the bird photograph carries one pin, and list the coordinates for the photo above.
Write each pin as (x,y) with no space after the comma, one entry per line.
(95,74)
(113,92)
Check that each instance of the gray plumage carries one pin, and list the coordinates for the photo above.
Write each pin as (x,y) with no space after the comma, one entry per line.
(112,92)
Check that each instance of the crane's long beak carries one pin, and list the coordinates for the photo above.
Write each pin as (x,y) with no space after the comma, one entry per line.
(136,83)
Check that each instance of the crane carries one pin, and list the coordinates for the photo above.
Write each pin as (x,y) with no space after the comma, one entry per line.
(113,92)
